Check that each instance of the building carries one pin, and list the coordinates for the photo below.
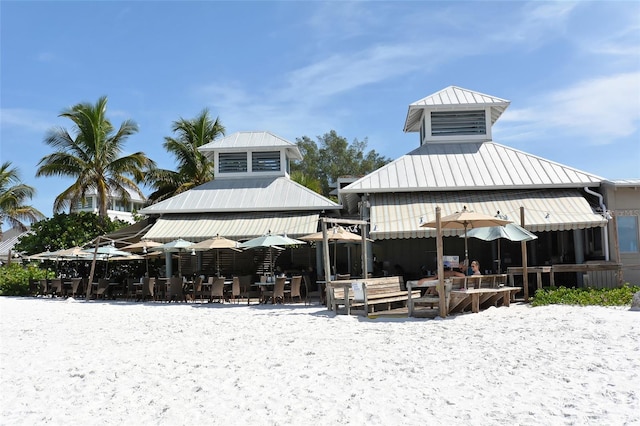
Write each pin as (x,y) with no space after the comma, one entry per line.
(457,165)
(116,208)
(252,194)
(578,217)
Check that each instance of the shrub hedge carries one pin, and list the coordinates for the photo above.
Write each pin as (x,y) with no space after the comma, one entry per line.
(585,296)
(14,278)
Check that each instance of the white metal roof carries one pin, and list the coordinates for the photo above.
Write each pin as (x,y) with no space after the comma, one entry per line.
(247,141)
(236,226)
(472,166)
(244,194)
(399,215)
(450,98)
(624,183)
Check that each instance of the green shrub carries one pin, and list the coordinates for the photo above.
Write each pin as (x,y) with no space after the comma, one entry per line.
(585,296)
(14,278)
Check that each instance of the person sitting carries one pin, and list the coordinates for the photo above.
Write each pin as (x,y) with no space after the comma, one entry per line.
(475,268)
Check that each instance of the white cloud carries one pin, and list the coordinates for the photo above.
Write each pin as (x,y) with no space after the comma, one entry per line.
(27,120)
(598,110)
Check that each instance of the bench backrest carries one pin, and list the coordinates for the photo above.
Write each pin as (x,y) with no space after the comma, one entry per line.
(374,286)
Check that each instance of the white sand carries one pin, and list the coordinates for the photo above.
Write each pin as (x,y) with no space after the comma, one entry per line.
(91,363)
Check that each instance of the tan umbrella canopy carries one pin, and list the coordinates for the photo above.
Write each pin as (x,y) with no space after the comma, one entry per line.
(216,243)
(466,220)
(143,246)
(76,252)
(337,234)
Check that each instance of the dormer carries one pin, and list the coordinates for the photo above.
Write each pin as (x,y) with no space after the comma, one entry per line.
(251,154)
(454,115)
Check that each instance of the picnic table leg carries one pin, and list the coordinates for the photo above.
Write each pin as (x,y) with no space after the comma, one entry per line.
(475,303)
(506,298)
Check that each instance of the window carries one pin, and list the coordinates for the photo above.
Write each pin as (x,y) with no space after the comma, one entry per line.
(265,161)
(86,203)
(628,234)
(232,162)
(454,123)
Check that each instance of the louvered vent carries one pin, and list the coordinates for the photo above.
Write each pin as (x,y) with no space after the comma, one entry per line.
(232,162)
(454,123)
(265,161)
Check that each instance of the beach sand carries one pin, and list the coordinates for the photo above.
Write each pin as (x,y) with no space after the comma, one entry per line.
(68,362)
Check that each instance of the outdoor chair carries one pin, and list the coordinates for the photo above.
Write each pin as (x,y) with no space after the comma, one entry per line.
(217,290)
(234,294)
(75,286)
(103,287)
(159,289)
(310,293)
(131,290)
(278,290)
(147,289)
(176,290)
(247,291)
(33,287)
(296,282)
(56,288)
(197,288)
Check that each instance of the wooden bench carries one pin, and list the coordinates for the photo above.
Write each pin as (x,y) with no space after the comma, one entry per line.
(431,300)
(477,298)
(372,294)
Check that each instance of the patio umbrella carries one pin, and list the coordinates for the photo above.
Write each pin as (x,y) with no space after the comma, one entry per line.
(466,220)
(216,243)
(143,246)
(338,235)
(175,246)
(106,253)
(73,253)
(270,241)
(510,231)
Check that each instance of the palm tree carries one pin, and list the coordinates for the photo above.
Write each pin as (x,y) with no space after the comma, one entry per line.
(92,156)
(13,195)
(193,167)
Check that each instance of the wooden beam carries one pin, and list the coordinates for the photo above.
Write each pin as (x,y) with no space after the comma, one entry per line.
(525,273)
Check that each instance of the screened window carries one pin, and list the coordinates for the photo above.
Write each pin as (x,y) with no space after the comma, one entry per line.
(628,234)
(454,123)
(232,162)
(265,161)
(86,203)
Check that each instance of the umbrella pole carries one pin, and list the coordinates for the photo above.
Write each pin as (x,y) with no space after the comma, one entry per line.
(466,249)
(335,257)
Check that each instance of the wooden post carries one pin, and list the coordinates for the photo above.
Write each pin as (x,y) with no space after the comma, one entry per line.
(525,273)
(440,255)
(326,261)
(93,269)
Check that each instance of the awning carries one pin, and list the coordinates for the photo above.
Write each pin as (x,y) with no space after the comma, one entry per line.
(398,215)
(129,234)
(238,226)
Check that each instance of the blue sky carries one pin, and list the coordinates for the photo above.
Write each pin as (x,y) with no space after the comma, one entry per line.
(570,70)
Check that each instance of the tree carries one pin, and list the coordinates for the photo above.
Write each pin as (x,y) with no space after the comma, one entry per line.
(335,158)
(66,230)
(92,156)
(13,197)
(193,167)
